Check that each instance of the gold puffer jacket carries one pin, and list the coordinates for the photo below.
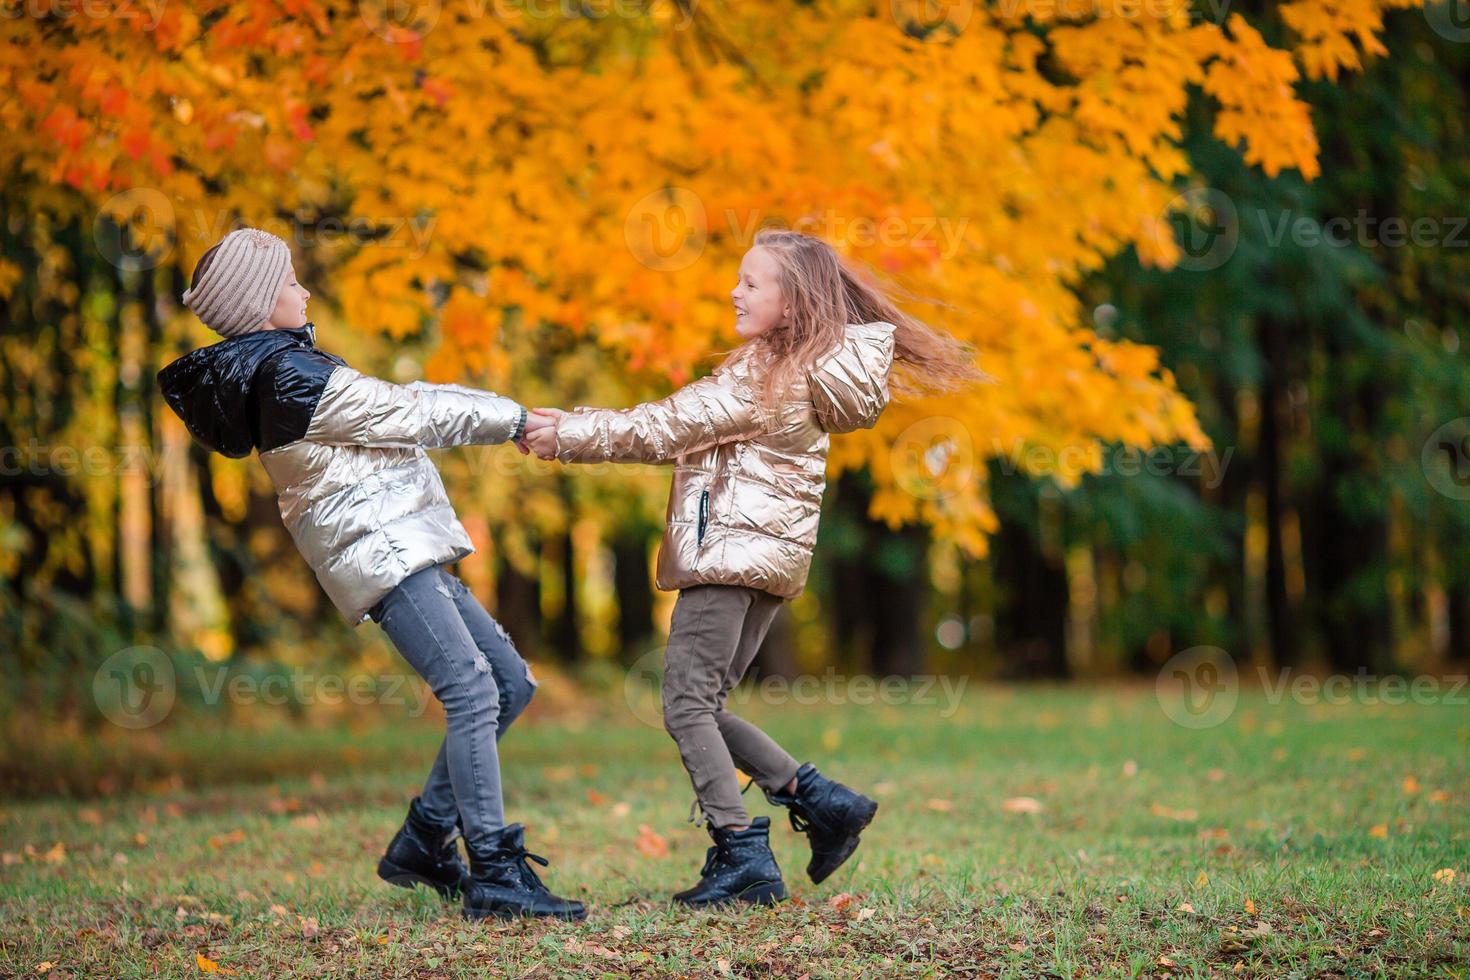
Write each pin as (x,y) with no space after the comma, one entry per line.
(748,483)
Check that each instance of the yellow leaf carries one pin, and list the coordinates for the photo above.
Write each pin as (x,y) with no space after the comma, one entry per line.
(1378,830)
(1202,880)
(1446,875)
(1250,907)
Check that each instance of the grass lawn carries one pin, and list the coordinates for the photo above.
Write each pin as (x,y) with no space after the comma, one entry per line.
(1034,832)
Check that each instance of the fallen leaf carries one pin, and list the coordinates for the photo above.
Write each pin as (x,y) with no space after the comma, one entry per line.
(88,815)
(1185,907)
(651,843)
(1202,880)
(596,798)
(865,914)
(840,901)
(1022,804)
(1185,815)
(1378,830)
(1130,768)
(1411,785)
(233,837)
(1250,907)
(207,965)
(1446,875)
(940,806)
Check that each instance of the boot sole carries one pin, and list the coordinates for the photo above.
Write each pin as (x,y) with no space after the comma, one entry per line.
(866,815)
(760,893)
(506,915)
(403,878)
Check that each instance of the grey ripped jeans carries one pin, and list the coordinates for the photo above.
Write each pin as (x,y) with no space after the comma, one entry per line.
(472,667)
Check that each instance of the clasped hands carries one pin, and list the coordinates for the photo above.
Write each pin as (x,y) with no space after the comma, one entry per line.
(540,434)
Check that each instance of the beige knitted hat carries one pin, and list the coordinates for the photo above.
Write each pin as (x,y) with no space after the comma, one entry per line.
(238,289)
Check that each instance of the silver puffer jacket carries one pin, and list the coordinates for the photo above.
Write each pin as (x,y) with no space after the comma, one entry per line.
(345,452)
(748,483)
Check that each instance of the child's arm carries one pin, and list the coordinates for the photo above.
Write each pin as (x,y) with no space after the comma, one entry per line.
(354,409)
(708,412)
(849,387)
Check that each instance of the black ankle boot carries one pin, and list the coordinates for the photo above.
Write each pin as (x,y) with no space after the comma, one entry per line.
(424,853)
(831,815)
(740,867)
(502,883)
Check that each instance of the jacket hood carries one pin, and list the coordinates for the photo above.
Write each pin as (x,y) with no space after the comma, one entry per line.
(211,388)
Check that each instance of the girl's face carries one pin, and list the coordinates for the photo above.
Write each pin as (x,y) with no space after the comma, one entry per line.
(759,305)
(290,311)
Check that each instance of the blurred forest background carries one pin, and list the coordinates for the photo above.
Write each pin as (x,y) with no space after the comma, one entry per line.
(1227,383)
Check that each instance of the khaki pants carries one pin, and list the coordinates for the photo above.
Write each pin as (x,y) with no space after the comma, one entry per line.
(716,632)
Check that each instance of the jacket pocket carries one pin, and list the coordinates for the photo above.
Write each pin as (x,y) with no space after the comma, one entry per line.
(703,515)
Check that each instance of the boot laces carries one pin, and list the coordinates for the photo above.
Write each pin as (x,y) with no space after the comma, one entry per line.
(714,857)
(524,857)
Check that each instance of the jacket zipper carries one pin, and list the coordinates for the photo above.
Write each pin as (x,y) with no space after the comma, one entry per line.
(703,515)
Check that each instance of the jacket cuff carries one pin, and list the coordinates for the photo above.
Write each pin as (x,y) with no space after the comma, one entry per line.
(520,426)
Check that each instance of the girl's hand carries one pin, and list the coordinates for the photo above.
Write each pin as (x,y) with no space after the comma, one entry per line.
(541,431)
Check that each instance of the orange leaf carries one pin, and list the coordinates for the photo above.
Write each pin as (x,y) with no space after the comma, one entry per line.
(651,843)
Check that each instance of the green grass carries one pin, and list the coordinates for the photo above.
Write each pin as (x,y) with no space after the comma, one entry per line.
(1150,841)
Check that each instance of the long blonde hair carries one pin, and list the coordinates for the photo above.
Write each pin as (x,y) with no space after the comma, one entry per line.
(825,294)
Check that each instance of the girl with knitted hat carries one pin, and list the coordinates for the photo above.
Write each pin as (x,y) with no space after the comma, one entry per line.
(368,511)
